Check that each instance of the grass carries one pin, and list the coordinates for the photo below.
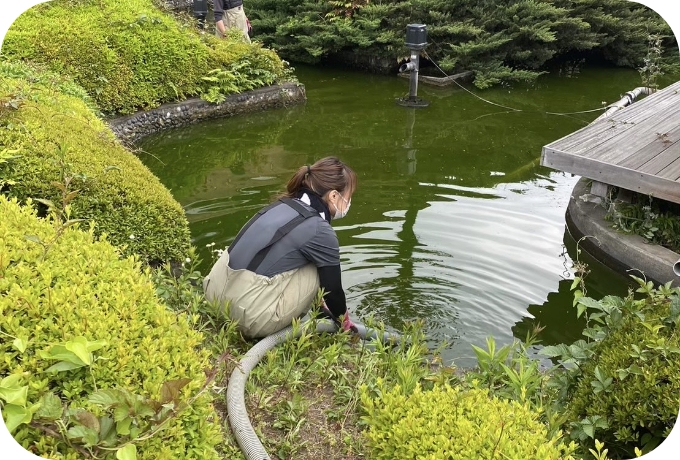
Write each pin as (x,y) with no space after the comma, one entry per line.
(303,397)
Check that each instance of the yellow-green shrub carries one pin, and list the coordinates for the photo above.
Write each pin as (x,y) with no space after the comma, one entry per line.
(129,54)
(628,393)
(447,423)
(81,287)
(55,135)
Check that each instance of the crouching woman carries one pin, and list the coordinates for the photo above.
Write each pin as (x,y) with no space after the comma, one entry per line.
(273,269)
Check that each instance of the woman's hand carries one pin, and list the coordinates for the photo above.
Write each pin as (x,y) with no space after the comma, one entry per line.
(347,324)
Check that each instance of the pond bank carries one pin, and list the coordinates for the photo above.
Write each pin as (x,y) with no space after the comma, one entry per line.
(131,128)
(620,251)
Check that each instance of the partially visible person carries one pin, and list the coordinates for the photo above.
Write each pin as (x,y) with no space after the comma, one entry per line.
(273,269)
(229,14)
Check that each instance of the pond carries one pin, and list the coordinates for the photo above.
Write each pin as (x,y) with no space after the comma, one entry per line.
(454,221)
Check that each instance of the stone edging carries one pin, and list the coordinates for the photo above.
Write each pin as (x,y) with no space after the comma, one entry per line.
(619,251)
(133,127)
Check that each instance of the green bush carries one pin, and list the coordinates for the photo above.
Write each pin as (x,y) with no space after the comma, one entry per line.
(500,41)
(129,54)
(655,220)
(627,391)
(80,287)
(54,137)
(448,423)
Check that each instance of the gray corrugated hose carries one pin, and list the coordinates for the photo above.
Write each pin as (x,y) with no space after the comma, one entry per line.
(236,405)
(626,100)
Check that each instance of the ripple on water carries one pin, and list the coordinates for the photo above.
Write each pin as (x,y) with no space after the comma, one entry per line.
(479,257)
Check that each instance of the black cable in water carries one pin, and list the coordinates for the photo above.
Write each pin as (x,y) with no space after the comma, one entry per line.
(513,109)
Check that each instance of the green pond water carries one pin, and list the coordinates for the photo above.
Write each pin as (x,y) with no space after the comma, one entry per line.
(454,221)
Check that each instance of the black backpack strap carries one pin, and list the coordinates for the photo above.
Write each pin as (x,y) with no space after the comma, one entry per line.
(251,222)
(302,210)
(303,214)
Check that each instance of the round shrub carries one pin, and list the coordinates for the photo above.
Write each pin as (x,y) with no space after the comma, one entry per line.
(631,385)
(131,55)
(54,138)
(80,287)
(449,423)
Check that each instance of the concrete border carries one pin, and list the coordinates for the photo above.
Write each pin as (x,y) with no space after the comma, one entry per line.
(622,252)
(132,128)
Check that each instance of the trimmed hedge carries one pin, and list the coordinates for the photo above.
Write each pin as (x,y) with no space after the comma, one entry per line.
(449,423)
(53,134)
(131,55)
(81,287)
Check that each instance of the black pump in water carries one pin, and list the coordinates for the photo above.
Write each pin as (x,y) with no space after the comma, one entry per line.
(416,40)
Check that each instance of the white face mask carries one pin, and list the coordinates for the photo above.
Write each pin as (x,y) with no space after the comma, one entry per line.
(340,214)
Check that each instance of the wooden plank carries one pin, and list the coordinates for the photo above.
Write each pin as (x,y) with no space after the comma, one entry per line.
(637,148)
(623,147)
(607,173)
(594,138)
(656,155)
(672,171)
(623,120)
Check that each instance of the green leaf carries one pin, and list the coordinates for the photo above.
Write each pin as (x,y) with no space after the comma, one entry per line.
(553,351)
(589,302)
(577,352)
(11,381)
(97,344)
(71,222)
(143,409)
(615,318)
(123,426)
(600,422)
(15,416)
(675,309)
(20,344)
(50,407)
(121,412)
(128,452)
(580,308)
(107,431)
(47,203)
(106,397)
(60,352)
(89,436)
(135,431)
(33,238)
(598,374)
(635,369)
(62,366)
(79,347)
(14,395)
(588,429)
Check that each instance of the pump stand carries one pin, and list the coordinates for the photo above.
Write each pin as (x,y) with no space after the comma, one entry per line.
(416,40)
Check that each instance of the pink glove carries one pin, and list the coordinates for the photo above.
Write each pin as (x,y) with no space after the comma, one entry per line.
(347,324)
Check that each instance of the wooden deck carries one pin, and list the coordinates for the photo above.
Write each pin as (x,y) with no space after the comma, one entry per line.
(636,148)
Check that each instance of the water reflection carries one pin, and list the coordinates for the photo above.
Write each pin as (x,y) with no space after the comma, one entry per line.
(557,312)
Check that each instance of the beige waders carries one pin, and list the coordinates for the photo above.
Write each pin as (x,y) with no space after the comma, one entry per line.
(261,305)
(235,18)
